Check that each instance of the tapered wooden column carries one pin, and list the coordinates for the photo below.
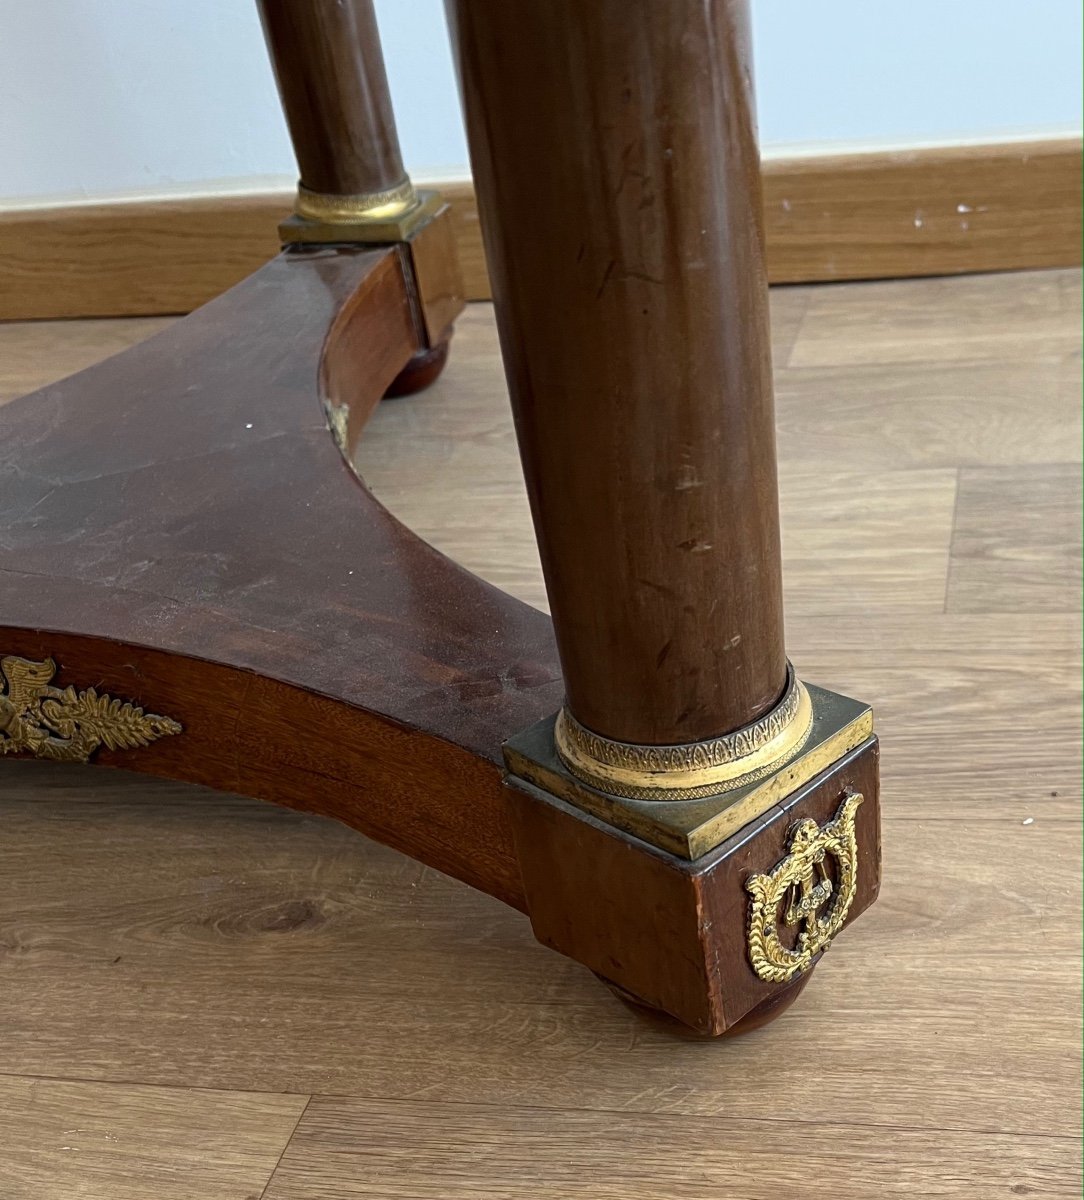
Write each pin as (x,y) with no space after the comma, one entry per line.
(615,160)
(696,824)
(330,70)
(353,188)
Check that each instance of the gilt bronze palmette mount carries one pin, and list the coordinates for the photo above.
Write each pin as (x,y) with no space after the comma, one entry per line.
(64,724)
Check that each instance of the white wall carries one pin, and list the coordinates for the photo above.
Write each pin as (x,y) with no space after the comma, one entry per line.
(101,96)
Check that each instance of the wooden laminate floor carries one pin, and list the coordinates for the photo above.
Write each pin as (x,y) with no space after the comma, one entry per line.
(205,997)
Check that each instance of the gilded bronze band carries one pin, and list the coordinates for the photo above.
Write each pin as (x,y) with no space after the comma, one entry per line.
(693,769)
(691,826)
(376,228)
(366,206)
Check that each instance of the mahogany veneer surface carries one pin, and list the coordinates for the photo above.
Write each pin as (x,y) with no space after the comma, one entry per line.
(235,533)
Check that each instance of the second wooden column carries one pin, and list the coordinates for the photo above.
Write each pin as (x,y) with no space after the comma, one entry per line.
(618,178)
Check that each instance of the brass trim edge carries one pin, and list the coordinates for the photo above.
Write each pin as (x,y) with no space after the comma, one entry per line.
(372,229)
(690,828)
(776,787)
(65,725)
(364,206)
(693,769)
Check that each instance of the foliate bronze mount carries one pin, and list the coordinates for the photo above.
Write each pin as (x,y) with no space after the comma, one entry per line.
(65,725)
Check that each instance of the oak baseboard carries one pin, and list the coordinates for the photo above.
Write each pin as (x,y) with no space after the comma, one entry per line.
(944,211)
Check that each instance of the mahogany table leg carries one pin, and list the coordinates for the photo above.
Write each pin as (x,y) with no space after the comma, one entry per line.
(618,180)
(354,188)
(334,89)
(215,596)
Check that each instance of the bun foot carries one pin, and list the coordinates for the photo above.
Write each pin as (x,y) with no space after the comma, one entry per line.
(767,1010)
(763,1014)
(423,369)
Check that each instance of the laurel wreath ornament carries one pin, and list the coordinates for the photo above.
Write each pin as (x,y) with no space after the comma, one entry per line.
(801,878)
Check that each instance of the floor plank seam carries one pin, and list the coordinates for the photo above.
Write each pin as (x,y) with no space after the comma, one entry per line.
(686,1117)
(393,1033)
(286,1146)
(951,541)
(99,1081)
(795,338)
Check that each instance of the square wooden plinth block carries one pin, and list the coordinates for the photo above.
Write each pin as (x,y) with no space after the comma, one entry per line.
(674,932)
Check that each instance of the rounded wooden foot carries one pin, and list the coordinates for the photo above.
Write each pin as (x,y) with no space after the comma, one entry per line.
(422,370)
(764,1013)
(767,1010)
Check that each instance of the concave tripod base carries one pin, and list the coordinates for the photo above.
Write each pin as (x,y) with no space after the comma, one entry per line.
(183,533)
(183,536)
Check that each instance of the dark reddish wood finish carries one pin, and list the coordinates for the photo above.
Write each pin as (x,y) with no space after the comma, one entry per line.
(181,530)
(437,280)
(618,183)
(255,735)
(763,1014)
(672,932)
(422,371)
(330,72)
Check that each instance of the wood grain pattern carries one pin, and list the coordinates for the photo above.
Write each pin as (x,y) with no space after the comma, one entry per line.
(1016,540)
(123,1142)
(673,933)
(865,541)
(946,320)
(91,260)
(348,1148)
(243,606)
(839,522)
(924,212)
(285,954)
(1009,683)
(828,218)
(951,414)
(166,935)
(33,355)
